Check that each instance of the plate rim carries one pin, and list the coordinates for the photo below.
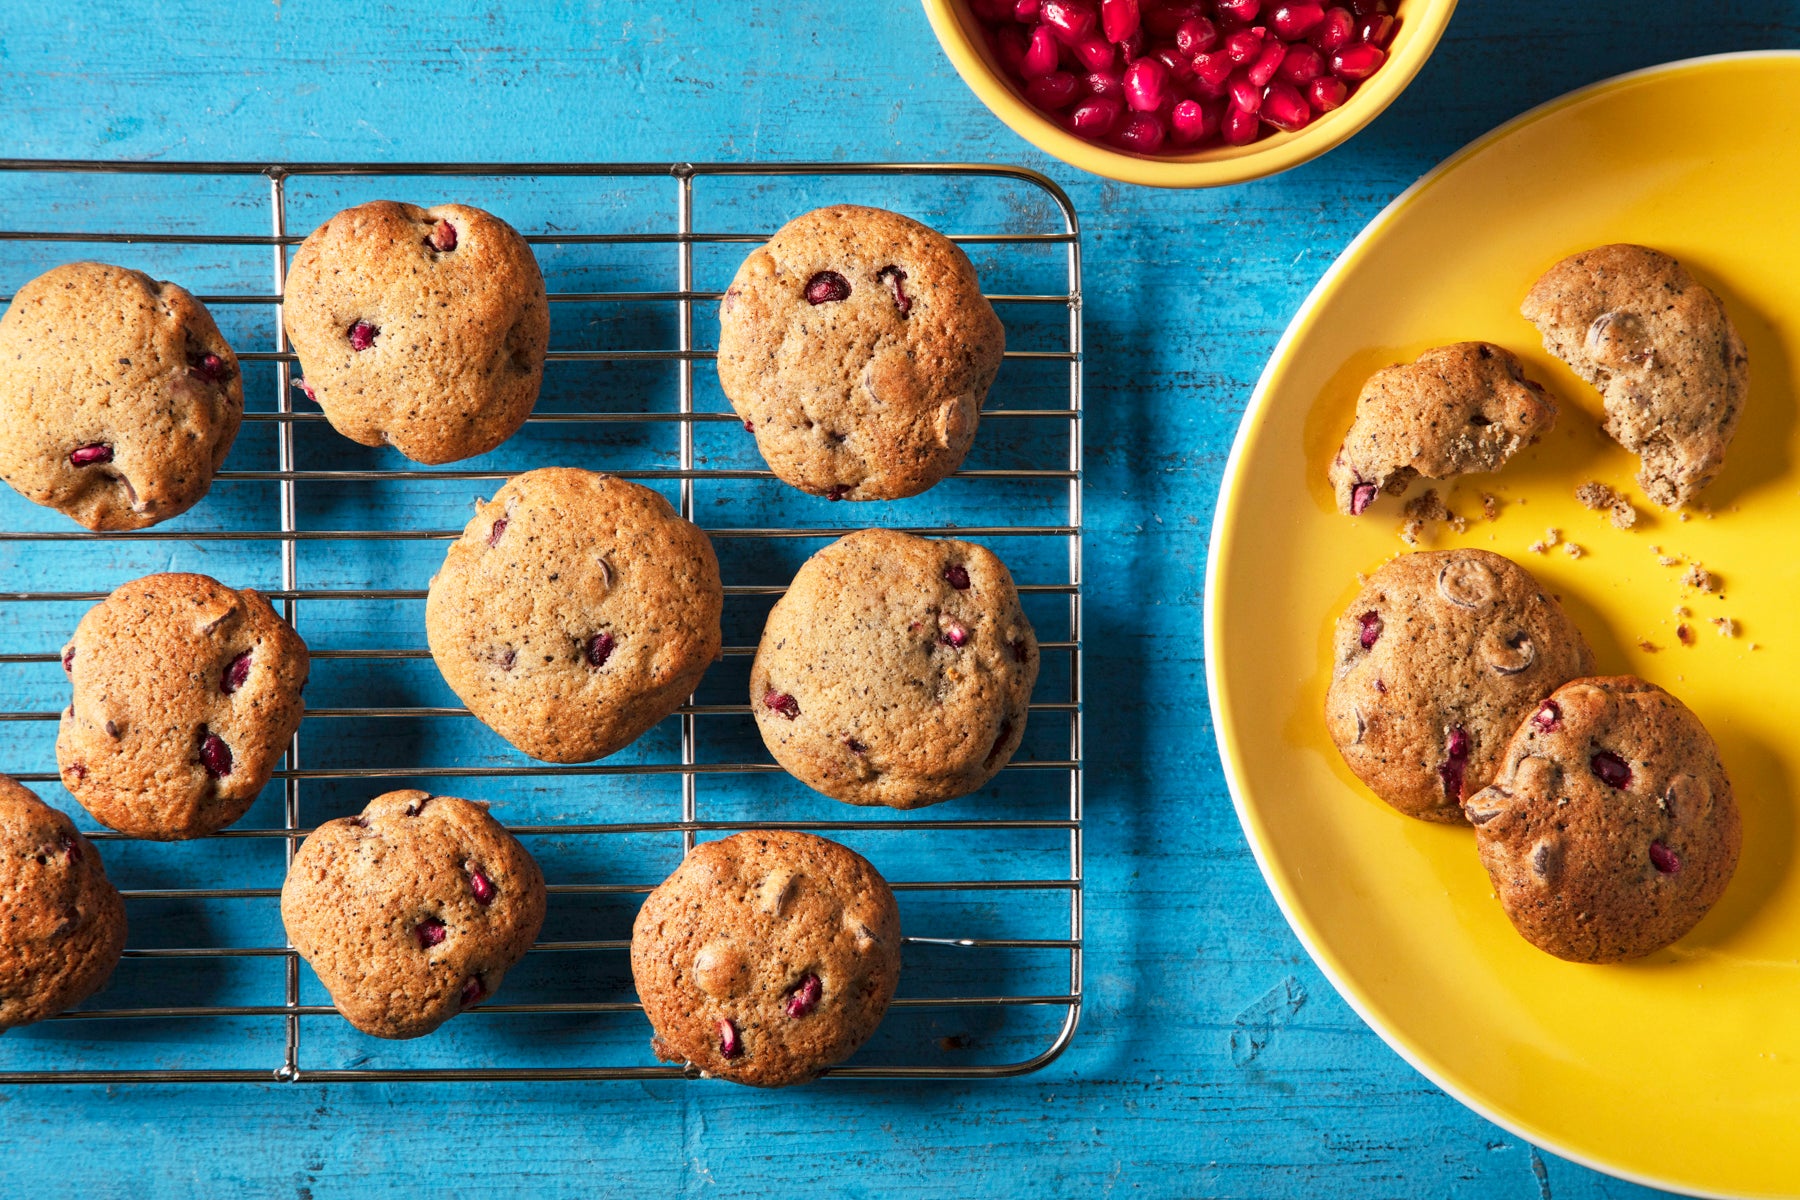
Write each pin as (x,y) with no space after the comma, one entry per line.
(1227,499)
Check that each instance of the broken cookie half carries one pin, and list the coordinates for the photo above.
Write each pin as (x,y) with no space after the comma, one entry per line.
(1670,366)
(1455,410)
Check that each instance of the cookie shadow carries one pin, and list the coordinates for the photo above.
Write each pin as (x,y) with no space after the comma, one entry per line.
(1759,456)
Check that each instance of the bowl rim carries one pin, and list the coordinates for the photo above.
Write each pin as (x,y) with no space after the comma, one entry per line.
(955,28)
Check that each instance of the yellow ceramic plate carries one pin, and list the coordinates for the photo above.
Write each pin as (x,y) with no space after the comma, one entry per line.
(1682,1070)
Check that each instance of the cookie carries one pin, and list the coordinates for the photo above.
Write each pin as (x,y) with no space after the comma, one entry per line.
(1455,410)
(119,398)
(1670,366)
(766,957)
(187,694)
(575,612)
(1611,828)
(1435,663)
(421,328)
(62,924)
(413,911)
(858,348)
(896,670)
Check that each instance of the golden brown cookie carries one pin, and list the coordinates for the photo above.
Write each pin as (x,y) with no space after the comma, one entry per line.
(1669,364)
(896,670)
(1454,410)
(424,328)
(62,924)
(575,612)
(1611,828)
(187,694)
(119,398)
(858,348)
(1436,662)
(766,957)
(413,911)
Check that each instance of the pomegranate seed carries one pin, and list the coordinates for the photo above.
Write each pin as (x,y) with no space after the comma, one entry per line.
(1021,652)
(1069,20)
(363,335)
(1337,29)
(1142,134)
(1025,12)
(1361,495)
(1357,61)
(1164,19)
(305,390)
(209,367)
(499,527)
(1244,94)
(1326,93)
(215,755)
(1095,118)
(1146,84)
(837,491)
(893,276)
(1243,46)
(1178,67)
(854,746)
(471,992)
(1292,22)
(730,1045)
(1196,35)
(482,887)
(1548,717)
(1244,11)
(1054,91)
(782,703)
(827,287)
(1285,108)
(1189,122)
(1661,857)
(992,10)
(957,576)
(1118,19)
(87,456)
(1212,72)
(804,998)
(955,634)
(1613,771)
(443,238)
(69,661)
(599,649)
(1096,54)
(1239,127)
(1377,30)
(236,672)
(1368,8)
(429,932)
(1267,63)
(1009,47)
(1133,46)
(70,847)
(1109,84)
(1456,761)
(1301,65)
(1371,629)
(1041,54)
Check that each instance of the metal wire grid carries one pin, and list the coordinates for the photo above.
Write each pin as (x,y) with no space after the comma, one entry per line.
(295,775)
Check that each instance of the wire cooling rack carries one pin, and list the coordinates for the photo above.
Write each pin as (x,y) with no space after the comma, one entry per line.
(344,540)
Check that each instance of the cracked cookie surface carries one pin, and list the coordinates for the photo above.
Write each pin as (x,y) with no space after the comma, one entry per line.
(1435,663)
(766,957)
(1611,828)
(413,911)
(186,695)
(857,346)
(896,670)
(119,398)
(421,328)
(1672,371)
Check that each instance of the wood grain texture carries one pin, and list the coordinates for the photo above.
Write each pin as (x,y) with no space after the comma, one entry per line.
(1214,1059)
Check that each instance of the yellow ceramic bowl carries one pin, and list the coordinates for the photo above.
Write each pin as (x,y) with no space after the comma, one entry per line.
(1681,1069)
(1421,24)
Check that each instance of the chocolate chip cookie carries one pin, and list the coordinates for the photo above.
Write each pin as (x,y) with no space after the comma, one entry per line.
(187,694)
(1611,828)
(896,670)
(766,957)
(424,328)
(119,398)
(1669,364)
(62,924)
(413,911)
(1436,662)
(858,348)
(575,612)
(1455,410)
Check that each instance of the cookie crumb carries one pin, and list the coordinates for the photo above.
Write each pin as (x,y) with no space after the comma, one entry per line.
(1668,560)
(1573,550)
(1425,509)
(1725,625)
(1681,610)
(1699,577)
(1754,646)
(1648,646)
(1601,498)
(1551,538)
(1685,635)
(1656,549)
(1490,505)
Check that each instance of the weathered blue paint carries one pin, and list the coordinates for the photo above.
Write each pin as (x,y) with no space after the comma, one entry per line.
(1213,1059)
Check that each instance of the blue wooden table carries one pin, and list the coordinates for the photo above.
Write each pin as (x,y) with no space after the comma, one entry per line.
(1212,1059)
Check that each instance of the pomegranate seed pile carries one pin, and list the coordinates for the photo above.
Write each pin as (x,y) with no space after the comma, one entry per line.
(1150,75)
